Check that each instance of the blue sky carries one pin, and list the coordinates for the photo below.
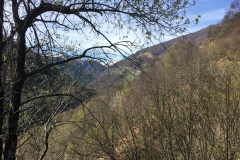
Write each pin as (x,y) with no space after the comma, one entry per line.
(211,11)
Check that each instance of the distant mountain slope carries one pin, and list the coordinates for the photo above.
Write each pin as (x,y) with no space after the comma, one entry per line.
(152,53)
(87,67)
(129,66)
(90,68)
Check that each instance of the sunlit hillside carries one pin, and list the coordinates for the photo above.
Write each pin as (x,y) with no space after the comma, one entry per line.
(185,105)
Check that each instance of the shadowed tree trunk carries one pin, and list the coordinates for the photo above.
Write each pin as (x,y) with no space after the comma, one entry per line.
(18,81)
(27,15)
(1,85)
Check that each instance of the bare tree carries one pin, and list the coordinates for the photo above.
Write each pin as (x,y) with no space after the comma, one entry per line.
(35,26)
(233,10)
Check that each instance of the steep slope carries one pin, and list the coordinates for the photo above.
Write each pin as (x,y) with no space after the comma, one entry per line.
(150,54)
(147,56)
(90,68)
(187,109)
(117,73)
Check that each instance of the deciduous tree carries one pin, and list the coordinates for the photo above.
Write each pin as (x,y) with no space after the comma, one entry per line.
(38,26)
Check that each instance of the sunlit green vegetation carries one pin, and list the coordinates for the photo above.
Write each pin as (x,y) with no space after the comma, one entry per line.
(186,106)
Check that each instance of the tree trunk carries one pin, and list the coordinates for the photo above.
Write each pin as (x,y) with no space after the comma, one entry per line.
(1,86)
(16,91)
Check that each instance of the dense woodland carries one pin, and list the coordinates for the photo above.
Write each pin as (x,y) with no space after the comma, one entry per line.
(45,71)
(183,104)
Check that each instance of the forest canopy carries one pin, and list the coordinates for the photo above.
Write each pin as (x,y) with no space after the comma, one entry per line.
(33,49)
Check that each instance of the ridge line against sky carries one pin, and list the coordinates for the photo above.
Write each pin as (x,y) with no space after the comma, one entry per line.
(211,12)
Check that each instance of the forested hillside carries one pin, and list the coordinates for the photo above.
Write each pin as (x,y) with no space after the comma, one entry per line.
(184,106)
(51,56)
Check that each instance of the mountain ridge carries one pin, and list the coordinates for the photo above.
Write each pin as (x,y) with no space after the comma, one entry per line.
(150,54)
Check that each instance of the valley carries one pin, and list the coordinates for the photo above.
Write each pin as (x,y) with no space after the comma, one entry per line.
(64,95)
(182,102)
